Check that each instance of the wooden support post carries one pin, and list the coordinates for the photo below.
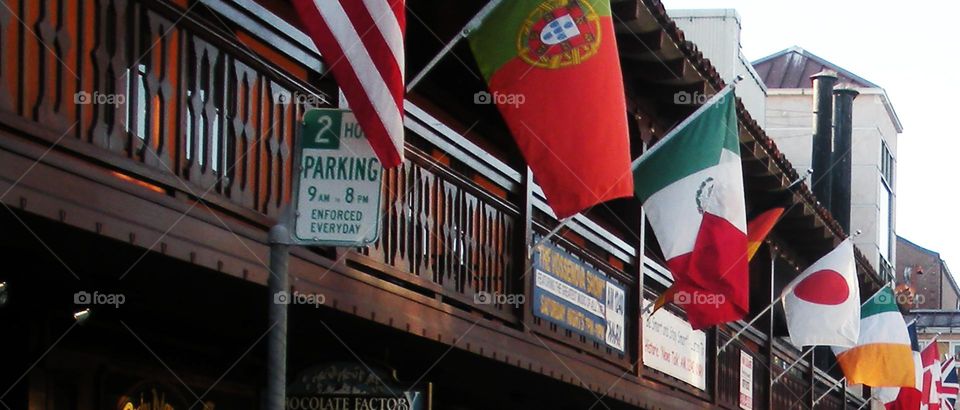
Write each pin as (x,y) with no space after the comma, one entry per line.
(715,364)
(524,278)
(638,301)
(772,296)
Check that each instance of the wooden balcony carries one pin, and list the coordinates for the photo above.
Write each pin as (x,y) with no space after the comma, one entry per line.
(198,112)
(194,110)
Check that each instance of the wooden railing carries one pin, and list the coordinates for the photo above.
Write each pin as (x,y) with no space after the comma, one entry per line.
(450,234)
(176,105)
(137,88)
(174,101)
(792,390)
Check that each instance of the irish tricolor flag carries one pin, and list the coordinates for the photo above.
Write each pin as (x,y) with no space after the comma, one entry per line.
(882,356)
(691,185)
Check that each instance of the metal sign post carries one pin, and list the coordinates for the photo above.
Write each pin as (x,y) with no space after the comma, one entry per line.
(277,282)
(336,188)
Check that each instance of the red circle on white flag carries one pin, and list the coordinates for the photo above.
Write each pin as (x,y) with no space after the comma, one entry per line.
(824,287)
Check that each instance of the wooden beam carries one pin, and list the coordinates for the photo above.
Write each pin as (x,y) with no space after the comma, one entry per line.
(641,46)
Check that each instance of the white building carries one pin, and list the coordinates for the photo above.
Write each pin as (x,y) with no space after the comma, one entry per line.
(716,33)
(789,121)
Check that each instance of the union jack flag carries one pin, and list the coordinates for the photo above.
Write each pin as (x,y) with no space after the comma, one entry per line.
(949,387)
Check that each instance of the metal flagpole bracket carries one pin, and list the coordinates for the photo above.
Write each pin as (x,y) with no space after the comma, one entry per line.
(554,231)
(748,325)
(648,308)
(801,178)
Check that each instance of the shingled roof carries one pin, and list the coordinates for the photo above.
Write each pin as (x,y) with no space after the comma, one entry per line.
(792,68)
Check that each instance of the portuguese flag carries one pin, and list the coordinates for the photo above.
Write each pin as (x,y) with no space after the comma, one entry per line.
(553,71)
(691,185)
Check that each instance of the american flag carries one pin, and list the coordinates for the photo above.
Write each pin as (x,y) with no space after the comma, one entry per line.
(361,42)
(949,387)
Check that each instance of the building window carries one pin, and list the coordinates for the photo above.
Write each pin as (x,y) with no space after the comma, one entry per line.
(885,241)
(885,227)
(886,164)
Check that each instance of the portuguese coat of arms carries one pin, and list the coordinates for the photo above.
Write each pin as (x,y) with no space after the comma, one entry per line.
(559,33)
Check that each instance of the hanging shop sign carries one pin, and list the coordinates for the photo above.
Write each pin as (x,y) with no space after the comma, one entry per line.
(578,297)
(338,182)
(354,386)
(154,396)
(746,381)
(671,346)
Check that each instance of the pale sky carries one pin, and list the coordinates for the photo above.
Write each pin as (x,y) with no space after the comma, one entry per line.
(912,49)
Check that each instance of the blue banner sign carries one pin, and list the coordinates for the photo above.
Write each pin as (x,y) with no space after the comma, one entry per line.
(578,297)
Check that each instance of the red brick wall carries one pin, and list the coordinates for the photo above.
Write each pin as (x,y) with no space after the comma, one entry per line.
(932,287)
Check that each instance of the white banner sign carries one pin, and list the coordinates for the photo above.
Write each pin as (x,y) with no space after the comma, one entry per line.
(671,346)
(746,381)
(615,306)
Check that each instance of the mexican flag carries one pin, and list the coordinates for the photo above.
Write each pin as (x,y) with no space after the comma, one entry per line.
(691,185)
(757,230)
(554,73)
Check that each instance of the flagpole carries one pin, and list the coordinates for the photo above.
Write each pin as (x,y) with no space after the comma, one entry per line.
(467,29)
(750,323)
(641,250)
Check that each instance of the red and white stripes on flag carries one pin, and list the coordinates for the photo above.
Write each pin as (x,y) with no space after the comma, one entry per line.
(361,42)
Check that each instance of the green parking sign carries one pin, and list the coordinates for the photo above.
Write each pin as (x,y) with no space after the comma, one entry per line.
(338,182)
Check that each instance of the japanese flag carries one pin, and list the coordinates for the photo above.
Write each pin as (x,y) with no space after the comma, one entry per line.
(822,305)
